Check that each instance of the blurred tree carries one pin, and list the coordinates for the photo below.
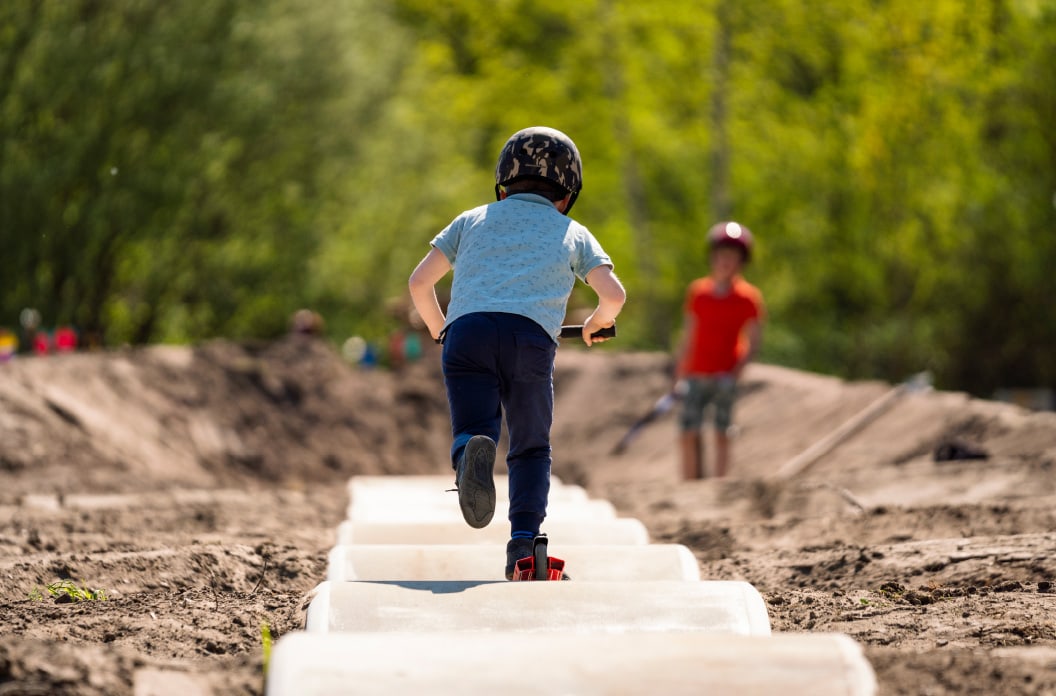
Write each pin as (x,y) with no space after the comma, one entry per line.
(174,172)
(867,154)
(160,168)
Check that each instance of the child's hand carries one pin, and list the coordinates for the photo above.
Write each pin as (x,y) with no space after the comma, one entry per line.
(611,297)
(592,325)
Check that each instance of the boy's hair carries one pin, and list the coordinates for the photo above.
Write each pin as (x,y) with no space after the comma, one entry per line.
(537,185)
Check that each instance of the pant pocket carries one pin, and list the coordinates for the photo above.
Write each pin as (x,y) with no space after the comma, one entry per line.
(535,357)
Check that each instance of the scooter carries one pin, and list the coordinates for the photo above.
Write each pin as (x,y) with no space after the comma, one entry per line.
(540,565)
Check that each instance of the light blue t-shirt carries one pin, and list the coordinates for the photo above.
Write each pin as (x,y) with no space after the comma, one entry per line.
(519,256)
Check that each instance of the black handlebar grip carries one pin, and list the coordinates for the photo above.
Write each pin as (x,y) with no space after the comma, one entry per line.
(576,330)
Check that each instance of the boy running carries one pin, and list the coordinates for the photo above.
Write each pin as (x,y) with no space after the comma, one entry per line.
(515,263)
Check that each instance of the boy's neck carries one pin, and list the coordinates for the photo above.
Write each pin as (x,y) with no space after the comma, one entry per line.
(722,286)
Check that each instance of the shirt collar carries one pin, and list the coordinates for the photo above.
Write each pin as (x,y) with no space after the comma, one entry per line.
(532,198)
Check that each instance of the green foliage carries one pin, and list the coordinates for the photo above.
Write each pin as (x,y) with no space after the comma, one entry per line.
(161,162)
(68,591)
(175,171)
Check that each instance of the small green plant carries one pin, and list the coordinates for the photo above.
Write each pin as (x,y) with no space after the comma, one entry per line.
(265,642)
(67,591)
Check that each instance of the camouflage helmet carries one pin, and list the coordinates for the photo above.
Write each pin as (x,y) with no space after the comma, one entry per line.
(541,153)
(731,234)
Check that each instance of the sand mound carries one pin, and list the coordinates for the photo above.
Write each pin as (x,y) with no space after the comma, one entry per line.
(199,489)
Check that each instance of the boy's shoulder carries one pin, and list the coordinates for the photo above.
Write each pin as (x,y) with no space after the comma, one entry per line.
(748,293)
(743,287)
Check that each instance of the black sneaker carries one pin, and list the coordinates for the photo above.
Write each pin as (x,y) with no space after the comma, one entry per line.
(475,481)
(516,549)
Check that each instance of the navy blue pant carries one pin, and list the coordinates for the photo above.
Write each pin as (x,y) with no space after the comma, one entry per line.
(494,361)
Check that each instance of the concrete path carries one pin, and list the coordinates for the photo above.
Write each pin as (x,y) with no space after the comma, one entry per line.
(414,603)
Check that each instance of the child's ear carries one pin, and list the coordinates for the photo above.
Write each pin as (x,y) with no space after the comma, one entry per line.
(502,194)
(562,205)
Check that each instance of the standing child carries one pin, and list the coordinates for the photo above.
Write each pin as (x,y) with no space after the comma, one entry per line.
(515,263)
(723,328)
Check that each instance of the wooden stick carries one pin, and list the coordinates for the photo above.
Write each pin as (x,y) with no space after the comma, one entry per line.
(819,449)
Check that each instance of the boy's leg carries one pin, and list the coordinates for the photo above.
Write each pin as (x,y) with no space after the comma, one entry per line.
(691,441)
(692,450)
(469,363)
(722,453)
(725,394)
(527,358)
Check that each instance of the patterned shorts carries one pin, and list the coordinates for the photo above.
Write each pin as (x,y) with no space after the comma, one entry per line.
(701,392)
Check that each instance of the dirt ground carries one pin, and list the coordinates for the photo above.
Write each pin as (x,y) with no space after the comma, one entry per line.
(199,490)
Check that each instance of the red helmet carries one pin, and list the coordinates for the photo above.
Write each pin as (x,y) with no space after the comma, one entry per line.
(731,234)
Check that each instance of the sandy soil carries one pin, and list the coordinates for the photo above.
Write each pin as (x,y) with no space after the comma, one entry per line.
(199,490)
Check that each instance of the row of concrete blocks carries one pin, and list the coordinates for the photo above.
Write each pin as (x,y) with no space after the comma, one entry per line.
(415,602)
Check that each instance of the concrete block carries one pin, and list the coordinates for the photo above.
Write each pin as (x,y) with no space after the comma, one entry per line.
(726,607)
(486,562)
(442,487)
(674,664)
(619,531)
(386,509)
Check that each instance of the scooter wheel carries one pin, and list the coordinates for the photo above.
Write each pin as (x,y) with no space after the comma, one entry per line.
(541,559)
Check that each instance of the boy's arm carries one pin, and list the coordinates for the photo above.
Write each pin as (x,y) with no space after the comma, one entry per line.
(688,329)
(753,333)
(611,297)
(422,285)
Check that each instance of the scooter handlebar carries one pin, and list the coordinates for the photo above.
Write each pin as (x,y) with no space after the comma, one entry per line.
(576,330)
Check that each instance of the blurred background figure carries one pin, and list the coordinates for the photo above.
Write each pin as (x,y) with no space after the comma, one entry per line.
(41,342)
(307,322)
(405,341)
(358,351)
(65,339)
(396,346)
(8,345)
(29,319)
(722,333)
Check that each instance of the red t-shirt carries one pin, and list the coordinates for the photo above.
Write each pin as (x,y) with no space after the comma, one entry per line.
(717,340)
